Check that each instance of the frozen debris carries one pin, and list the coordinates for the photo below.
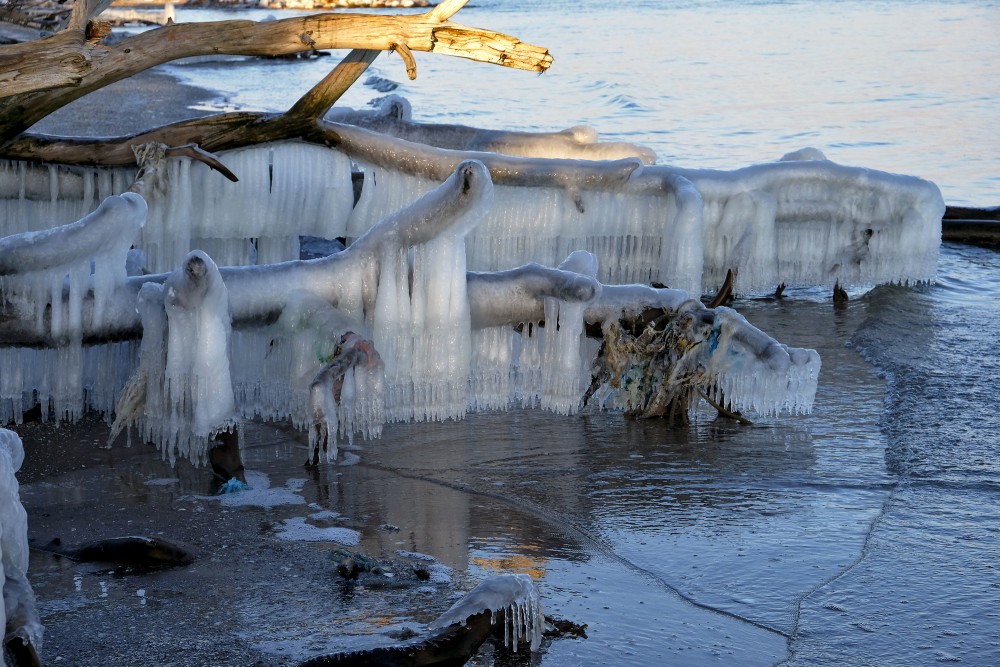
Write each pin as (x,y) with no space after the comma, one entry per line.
(395,328)
(18,613)
(514,595)
(393,114)
(66,280)
(663,369)
(137,551)
(233,485)
(796,221)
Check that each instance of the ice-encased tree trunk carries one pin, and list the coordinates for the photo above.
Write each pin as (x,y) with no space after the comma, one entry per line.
(640,222)
(20,616)
(403,284)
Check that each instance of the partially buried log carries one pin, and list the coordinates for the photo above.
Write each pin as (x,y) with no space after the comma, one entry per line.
(972,226)
(506,605)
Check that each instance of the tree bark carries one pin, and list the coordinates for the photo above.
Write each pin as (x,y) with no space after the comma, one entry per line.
(38,77)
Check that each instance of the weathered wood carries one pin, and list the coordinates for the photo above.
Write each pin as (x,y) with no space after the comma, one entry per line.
(41,76)
(971,225)
(971,213)
(971,232)
(325,94)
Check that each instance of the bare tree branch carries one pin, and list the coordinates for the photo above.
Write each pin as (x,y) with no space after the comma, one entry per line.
(41,76)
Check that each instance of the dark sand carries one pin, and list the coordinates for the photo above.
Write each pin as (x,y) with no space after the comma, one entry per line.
(145,101)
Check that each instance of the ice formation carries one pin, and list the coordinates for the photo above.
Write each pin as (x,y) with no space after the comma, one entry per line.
(19,614)
(796,221)
(181,395)
(805,220)
(802,220)
(642,225)
(395,327)
(53,269)
(393,116)
(285,190)
(64,283)
(515,596)
(313,368)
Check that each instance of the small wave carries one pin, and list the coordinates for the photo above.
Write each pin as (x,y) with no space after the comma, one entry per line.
(381,84)
(626,102)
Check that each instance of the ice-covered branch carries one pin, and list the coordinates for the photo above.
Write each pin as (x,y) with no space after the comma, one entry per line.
(47,276)
(510,600)
(513,594)
(20,617)
(393,117)
(805,220)
(518,295)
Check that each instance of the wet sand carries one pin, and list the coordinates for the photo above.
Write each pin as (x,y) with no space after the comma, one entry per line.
(251,588)
(142,102)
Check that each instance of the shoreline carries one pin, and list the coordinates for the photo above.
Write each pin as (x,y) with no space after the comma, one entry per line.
(144,101)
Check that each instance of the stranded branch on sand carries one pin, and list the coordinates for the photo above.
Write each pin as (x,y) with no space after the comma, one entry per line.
(41,76)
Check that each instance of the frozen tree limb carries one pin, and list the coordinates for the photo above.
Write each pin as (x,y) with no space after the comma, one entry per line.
(325,94)
(256,293)
(393,117)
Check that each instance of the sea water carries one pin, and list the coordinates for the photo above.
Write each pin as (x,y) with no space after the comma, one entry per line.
(865,533)
(905,87)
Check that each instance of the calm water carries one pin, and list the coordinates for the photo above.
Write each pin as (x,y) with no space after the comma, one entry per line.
(865,533)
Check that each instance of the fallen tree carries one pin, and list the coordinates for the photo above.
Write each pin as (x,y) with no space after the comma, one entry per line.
(41,76)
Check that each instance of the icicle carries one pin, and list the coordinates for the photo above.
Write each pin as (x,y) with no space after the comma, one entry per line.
(749,370)
(19,615)
(515,595)
(441,326)
(563,368)
(53,270)
(528,354)
(422,327)
(285,190)
(491,369)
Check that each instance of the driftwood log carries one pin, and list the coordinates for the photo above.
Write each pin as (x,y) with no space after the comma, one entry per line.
(973,226)
(40,76)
